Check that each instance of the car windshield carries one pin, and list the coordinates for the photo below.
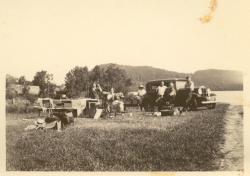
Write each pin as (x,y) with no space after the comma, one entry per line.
(180,84)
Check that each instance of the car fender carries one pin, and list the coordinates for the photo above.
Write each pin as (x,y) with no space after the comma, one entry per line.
(195,95)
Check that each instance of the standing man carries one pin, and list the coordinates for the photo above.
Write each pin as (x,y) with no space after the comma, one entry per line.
(160,93)
(161,90)
(189,86)
(141,91)
(140,94)
(170,93)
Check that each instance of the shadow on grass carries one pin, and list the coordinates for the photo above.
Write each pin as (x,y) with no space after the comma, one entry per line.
(187,147)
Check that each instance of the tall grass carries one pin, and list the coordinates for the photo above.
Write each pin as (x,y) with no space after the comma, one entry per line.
(20,108)
(184,143)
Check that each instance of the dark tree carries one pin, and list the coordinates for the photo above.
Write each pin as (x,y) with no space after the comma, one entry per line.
(22,80)
(10,92)
(10,80)
(43,80)
(116,78)
(77,81)
(98,75)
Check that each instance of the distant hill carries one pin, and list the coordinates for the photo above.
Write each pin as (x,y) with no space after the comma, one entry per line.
(213,78)
(219,79)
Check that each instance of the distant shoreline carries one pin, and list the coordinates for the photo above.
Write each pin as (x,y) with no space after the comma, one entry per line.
(226,90)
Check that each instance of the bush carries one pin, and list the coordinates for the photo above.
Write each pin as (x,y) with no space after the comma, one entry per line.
(19,108)
(15,108)
(31,98)
(21,104)
(10,93)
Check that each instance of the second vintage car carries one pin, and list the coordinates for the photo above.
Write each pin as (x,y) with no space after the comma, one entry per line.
(201,96)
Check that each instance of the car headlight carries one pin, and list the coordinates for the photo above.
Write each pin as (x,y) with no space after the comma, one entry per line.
(200,91)
(209,91)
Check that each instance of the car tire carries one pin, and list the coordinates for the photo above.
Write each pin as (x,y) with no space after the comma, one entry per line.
(212,106)
(194,104)
(146,106)
(74,112)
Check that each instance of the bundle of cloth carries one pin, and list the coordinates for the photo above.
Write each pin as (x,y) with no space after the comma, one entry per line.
(58,121)
(116,103)
(113,102)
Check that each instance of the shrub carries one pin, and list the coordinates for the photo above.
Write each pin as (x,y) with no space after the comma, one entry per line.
(31,98)
(15,108)
(20,108)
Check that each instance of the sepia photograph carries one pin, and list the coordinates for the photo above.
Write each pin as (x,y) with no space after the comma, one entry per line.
(148,86)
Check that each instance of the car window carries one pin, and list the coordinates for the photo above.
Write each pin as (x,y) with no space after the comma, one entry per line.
(180,84)
(151,86)
(154,87)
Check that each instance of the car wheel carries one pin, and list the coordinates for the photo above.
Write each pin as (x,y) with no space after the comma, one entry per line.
(194,104)
(212,106)
(145,108)
(145,105)
(74,112)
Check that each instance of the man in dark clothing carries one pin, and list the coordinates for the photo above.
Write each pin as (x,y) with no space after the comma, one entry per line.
(95,91)
(170,94)
(189,86)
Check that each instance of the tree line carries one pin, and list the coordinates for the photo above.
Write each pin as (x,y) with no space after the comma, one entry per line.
(78,81)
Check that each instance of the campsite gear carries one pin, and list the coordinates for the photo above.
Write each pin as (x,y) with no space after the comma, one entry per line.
(117,106)
(90,110)
(166,112)
(177,111)
(98,113)
(65,118)
(57,121)
(52,106)
(30,127)
(112,103)
(33,90)
(157,114)
(41,124)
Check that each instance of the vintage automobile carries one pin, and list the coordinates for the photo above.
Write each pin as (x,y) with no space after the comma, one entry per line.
(201,96)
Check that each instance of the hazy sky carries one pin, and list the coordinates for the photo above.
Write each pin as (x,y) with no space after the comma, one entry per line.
(56,35)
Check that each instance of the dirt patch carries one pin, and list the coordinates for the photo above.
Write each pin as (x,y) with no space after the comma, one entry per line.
(232,148)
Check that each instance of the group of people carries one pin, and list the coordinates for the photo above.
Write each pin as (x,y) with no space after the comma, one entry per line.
(168,93)
(165,93)
(111,101)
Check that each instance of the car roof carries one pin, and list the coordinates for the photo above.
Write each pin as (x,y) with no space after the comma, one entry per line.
(169,79)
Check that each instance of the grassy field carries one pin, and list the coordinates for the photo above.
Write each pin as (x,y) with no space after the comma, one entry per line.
(125,143)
